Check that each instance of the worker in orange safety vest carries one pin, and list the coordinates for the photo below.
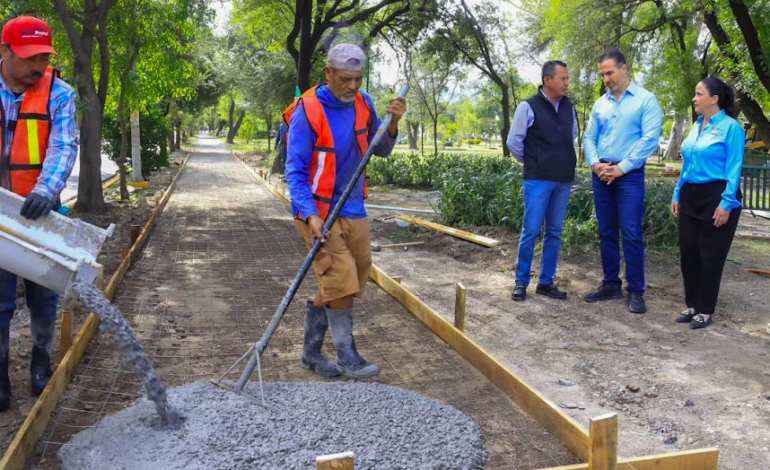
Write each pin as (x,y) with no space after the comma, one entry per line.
(330,128)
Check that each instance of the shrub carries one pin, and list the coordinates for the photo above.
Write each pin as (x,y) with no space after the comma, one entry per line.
(473,141)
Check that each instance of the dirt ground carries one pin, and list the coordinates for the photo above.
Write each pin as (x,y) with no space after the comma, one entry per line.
(673,388)
(123,214)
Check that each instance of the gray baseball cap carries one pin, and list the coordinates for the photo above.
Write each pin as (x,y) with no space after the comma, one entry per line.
(347,57)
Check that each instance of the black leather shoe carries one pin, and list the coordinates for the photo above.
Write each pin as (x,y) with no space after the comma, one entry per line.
(686,316)
(636,302)
(551,291)
(605,292)
(700,321)
(519,292)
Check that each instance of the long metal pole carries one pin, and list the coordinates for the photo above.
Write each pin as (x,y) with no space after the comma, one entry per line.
(273,325)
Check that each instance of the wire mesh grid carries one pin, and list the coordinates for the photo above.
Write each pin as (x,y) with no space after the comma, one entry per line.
(221,258)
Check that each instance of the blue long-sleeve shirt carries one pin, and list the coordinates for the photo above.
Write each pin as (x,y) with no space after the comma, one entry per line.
(625,132)
(341,117)
(523,120)
(714,153)
(62,149)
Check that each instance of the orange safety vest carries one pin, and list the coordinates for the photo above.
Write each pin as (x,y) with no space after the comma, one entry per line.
(30,134)
(323,166)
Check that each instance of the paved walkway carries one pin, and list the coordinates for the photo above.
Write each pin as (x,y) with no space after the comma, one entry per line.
(213,273)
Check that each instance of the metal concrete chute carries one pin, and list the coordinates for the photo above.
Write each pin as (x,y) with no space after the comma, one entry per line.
(53,251)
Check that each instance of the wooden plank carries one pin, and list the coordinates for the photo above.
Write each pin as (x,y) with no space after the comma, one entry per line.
(603,446)
(65,341)
(700,459)
(761,272)
(460,307)
(480,239)
(138,184)
(755,145)
(399,245)
(342,461)
(574,436)
(37,419)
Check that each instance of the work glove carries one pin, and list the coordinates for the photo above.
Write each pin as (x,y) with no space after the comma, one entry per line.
(36,205)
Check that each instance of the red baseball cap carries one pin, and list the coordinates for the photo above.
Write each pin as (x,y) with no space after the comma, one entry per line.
(28,36)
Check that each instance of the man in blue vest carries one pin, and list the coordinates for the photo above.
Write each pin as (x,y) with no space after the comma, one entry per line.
(623,132)
(328,129)
(542,137)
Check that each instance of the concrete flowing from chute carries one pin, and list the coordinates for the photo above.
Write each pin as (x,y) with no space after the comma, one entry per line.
(112,321)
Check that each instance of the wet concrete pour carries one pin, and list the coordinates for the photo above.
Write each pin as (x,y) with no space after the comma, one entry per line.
(386,427)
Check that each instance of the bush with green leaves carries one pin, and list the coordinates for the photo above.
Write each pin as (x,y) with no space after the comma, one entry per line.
(496,199)
(486,190)
(154,129)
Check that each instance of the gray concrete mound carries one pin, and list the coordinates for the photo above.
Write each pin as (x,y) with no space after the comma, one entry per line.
(386,427)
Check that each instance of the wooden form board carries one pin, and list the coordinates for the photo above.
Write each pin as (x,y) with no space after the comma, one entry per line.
(37,419)
(342,461)
(480,239)
(574,436)
(700,459)
(603,447)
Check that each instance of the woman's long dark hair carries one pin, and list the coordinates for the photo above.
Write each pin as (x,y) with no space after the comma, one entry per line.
(725,92)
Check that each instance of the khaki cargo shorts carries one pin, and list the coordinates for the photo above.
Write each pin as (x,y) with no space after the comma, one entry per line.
(342,266)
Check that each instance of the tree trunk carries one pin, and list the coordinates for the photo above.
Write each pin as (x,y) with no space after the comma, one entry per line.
(136,148)
(178,143)
(753,43)
(234,129)
(750,108)
(754,113)
(505,101)
(435,136)
(675,139)
(306,47)
(122,156)
(90,193)
(269,129)
(411,133)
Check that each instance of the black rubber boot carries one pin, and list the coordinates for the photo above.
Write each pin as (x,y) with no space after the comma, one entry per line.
(40,368)
(349,362)
(5,382)
(313,359)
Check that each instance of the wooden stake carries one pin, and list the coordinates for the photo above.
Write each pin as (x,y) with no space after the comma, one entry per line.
(603,442)
(460,307)
(133,232)
(124,251)
(342,461)
(66,333)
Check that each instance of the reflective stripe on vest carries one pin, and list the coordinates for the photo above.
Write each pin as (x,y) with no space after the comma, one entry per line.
(323,166)
(30,136)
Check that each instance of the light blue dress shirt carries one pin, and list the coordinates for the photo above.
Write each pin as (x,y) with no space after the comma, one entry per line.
(523,120)
(625,132)
(714,153)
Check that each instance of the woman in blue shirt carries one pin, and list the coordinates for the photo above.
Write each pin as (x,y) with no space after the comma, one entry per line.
(707,200)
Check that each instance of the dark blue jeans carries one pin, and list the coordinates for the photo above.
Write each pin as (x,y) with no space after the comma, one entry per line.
(620,212)
(41,301)
(543,201)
